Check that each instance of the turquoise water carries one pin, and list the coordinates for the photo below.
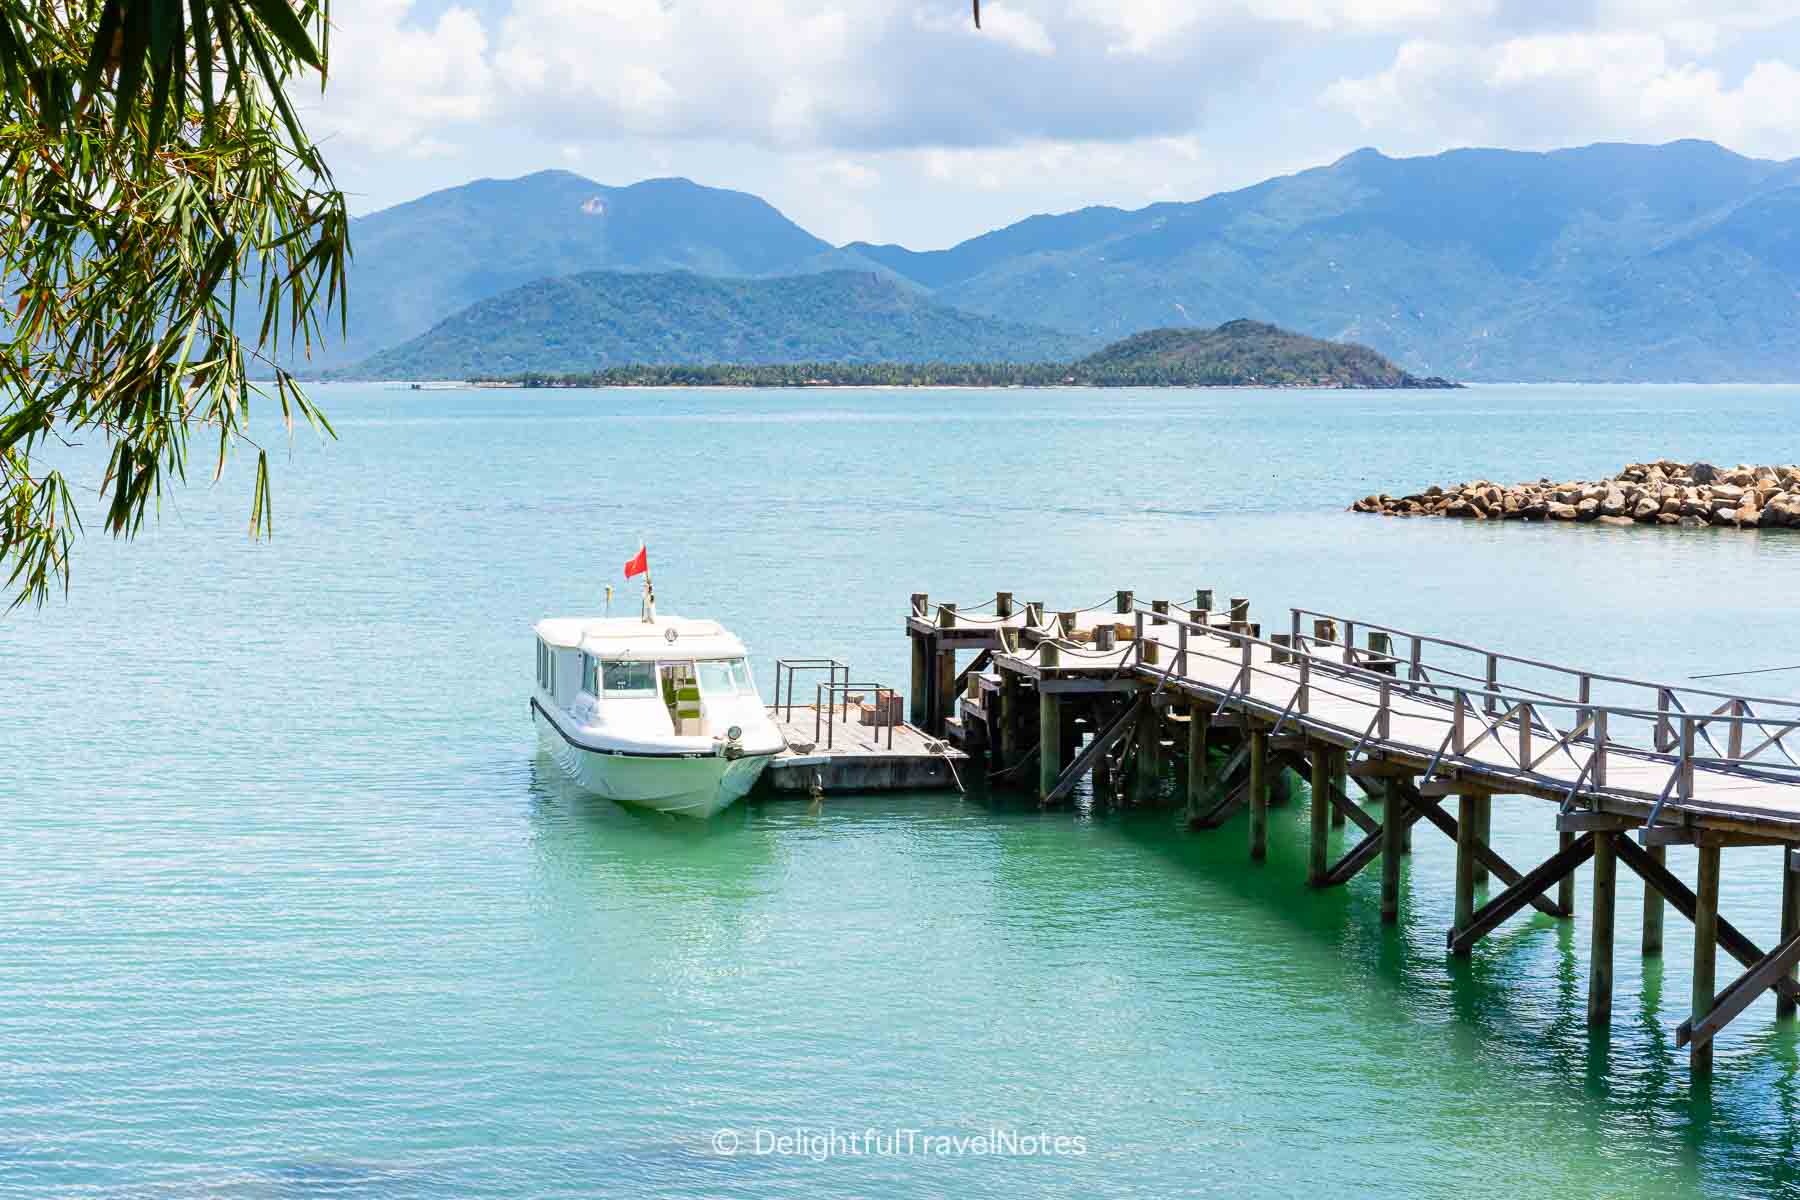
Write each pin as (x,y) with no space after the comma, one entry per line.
(292,906)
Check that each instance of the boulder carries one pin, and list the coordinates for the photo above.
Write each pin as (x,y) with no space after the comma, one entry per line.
(1668,518)
(1613,503)
(1587,510)
(1562,512)
(1748,518)
(1609,519)
(1702,472)
(1644,509)
(1692,523)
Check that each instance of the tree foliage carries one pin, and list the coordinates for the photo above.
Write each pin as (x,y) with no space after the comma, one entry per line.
(158,194)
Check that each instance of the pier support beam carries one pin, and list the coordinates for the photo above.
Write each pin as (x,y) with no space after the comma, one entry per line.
(1790,920)
(1393,845)
(1259,795)
(1340,780)
(1565,890)
(918,700)
(1318,850)
(1465,868)
(1484,833)
(1007,744)
(1199,773)
(1706,956)
(1146,759)
(1049,727)
(1654,904)
(944,681)
(1600,957)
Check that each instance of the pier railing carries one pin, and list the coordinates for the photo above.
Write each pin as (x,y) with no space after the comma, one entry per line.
(1531,733)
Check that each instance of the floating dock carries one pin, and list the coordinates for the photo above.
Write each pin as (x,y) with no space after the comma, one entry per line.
(1181,704)
(851,737)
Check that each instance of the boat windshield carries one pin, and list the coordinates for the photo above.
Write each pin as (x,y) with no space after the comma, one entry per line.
(725,677)
(626,678)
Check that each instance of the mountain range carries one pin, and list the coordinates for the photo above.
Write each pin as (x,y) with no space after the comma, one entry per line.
(1607,262)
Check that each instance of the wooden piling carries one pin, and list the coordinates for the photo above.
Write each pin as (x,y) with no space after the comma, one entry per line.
(1146,764)
(1003,604)
(1706,955)
(1199,772)
(1465,868)
(1484,833)
(1049,727)
(1653,907)
(1259,795)
(1122,602)
(920,696)
(1393,842)
(1790,920)
(1565,888)
(1340,779)
(1007,743)
(1318,850)
(1600,955)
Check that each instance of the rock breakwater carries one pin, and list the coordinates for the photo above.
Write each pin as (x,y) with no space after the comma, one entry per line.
(1663,492)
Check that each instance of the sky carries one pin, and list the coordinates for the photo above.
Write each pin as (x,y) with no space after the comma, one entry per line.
(898,121)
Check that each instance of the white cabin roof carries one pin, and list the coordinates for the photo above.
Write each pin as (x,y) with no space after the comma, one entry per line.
(626,638)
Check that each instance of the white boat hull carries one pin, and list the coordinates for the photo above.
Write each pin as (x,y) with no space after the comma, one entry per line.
(692,785)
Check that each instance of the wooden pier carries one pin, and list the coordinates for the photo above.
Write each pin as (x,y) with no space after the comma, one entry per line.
(1130,695)
(850,738)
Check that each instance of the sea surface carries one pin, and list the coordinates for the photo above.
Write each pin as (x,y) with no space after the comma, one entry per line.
(291,905)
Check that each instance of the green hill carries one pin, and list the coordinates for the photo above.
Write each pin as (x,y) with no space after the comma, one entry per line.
(1236,354)
(1241,353)
(599,319)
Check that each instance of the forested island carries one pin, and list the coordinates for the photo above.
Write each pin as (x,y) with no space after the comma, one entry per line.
(1238,353)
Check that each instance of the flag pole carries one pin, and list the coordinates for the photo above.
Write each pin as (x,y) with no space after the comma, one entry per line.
(649,610)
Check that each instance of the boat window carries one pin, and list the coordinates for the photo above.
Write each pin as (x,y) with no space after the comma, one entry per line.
(725,677)
(590,675)
(621,677)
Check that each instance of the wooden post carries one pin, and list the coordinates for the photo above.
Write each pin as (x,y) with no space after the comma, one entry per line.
(1008,742)
(1484,832)
(1240,609)
(1565,890)
(1706,955)
(1392,845)
(1049,728)
(1340,779)
(1146,767)
(1653,907)
(1199,772)
(1790,919)
(921,682)
(946,689)
(1122,602)
(1465,865)
(1003,604)
(1318,856)
(1600,956)
(1259,795)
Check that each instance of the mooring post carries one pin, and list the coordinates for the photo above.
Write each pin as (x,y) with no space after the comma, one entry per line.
(1706,955)
(1198,773)
(1790,919)
(1600,954)
(1122,602)
(919,700)
(944,676)
(1465,867)
(1003,604)
(1049,726)
(1393,842)
(1318,855)
(1653,906)
(1484,831)
(1259,795)
(1565,889)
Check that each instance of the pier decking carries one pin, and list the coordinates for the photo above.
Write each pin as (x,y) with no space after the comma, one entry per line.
(1117,693)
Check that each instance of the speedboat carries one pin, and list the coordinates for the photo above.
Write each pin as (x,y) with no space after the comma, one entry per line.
(654,712)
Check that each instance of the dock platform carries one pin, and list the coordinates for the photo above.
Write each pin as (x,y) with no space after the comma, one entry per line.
(1186,704)
(835,752)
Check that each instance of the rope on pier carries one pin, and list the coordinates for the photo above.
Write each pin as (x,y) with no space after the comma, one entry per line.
(1758,671)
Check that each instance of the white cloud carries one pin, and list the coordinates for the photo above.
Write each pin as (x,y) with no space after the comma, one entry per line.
(400,88)
(1553,89)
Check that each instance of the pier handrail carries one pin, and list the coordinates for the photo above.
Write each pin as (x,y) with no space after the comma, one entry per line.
(825,701)
(1349,625)
(792,667)
(1591,725)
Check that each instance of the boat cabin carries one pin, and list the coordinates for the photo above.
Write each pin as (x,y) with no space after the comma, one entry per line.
(672,676)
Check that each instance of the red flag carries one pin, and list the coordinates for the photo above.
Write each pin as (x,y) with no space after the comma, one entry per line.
(639,564)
